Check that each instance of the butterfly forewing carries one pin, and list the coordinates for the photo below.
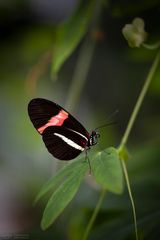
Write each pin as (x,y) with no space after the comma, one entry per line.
(64,143)
(44,113)
(41,110)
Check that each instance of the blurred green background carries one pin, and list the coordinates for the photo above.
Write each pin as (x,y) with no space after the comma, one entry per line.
(116,75)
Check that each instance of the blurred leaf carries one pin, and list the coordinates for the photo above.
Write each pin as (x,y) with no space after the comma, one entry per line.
(62,196)
(74,166)
(69,34)
(107,170)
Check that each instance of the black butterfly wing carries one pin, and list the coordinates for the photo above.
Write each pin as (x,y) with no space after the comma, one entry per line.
(41,110)
(64,143)
(43,113)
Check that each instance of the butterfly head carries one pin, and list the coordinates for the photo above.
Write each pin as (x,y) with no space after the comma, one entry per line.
(93,139)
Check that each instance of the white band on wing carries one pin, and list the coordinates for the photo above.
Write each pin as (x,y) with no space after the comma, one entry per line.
(79,134)
(69,142)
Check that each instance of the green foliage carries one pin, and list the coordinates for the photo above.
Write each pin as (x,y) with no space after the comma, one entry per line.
(69,34)
(106,169)
(62,196)
(66,171)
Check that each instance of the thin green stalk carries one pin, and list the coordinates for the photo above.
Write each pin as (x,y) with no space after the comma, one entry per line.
(140,100)
(128,130)
(94,215)
(80,73)
(151,46)
(131,197)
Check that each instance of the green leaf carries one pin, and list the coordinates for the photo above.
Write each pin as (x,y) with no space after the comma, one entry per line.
(59,177)
(69,34)
(62,196)
(107,170)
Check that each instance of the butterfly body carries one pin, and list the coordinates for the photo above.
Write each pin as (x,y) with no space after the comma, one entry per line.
(64,136)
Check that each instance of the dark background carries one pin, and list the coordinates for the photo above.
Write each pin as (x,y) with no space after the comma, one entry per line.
(115,78)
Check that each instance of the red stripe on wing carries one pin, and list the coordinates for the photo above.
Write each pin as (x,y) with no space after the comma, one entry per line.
(57,120)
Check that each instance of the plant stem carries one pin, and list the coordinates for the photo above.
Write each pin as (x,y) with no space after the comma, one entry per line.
(128,130)
(80,73)
(151,46)
(140,100)
(131,197)
(94,215)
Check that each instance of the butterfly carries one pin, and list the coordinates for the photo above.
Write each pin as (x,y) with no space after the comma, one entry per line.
(64,136)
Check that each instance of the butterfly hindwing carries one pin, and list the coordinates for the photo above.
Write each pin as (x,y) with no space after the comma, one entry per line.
(64,143)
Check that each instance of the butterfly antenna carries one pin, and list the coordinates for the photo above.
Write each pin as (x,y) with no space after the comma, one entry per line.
(110,123)
(105,125)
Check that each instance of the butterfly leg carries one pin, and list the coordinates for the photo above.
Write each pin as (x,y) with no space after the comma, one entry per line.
(87,159)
